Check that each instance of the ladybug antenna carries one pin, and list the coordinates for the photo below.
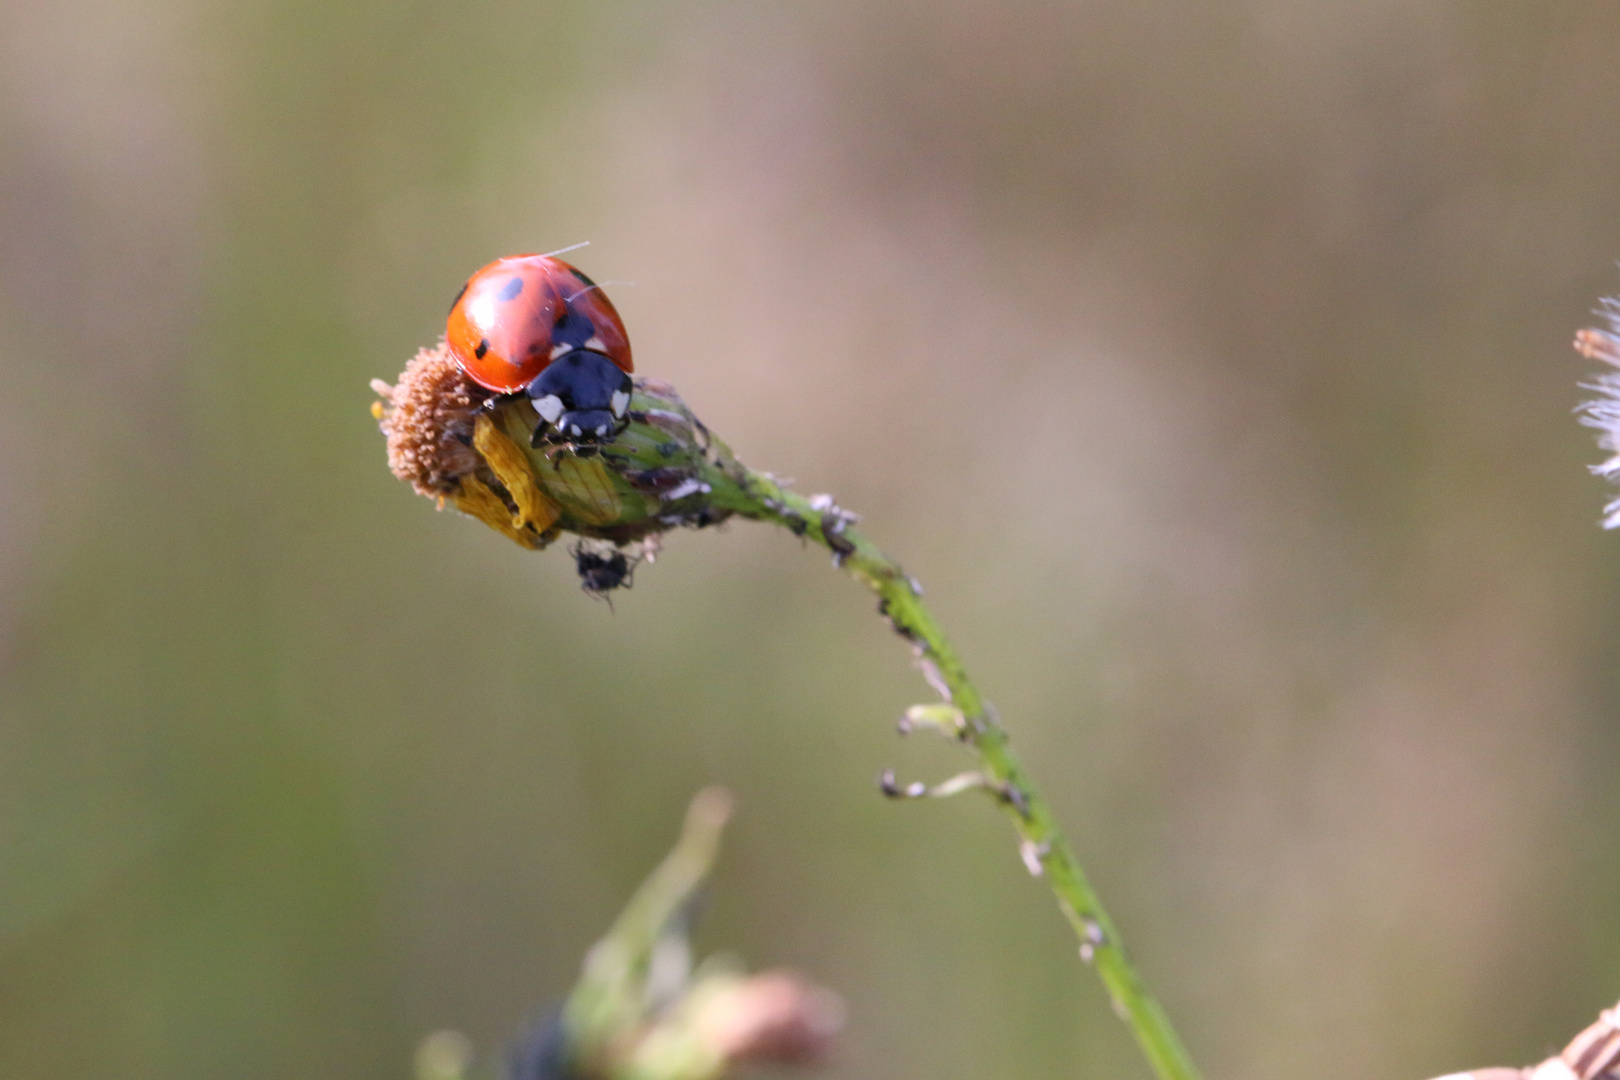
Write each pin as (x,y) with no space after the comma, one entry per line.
(566,250)
(596,285)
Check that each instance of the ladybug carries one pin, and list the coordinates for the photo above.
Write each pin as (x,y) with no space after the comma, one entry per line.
(534,325)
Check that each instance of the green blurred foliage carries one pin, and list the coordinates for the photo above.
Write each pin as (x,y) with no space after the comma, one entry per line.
(1207,362)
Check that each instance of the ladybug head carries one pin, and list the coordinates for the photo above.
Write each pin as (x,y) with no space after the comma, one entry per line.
(582,398)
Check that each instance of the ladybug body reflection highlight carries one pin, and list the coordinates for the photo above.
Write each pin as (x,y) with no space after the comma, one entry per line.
(536,326)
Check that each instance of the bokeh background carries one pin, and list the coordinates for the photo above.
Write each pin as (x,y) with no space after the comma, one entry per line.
(1208,362)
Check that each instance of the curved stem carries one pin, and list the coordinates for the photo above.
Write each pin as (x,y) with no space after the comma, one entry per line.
(758,496)
(665,470)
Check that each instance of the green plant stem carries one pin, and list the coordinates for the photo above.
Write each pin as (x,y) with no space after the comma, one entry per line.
(757,495)
(667,470)
(610,999)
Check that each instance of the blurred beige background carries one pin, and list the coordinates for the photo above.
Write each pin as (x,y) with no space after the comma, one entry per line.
(1208,362)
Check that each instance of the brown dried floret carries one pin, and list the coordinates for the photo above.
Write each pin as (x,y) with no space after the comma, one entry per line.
(428,419)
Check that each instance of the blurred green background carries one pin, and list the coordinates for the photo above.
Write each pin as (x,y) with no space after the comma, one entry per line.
(1208,362)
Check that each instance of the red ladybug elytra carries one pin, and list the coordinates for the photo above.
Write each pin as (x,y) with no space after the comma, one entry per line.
(532,324)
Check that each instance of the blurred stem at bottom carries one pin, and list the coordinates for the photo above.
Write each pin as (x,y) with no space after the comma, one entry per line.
(640,1010)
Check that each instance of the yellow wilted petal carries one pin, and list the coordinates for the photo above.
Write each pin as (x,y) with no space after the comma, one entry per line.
(475,499)
(511,466)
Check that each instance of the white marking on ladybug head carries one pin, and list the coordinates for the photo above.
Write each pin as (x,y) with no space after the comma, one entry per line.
(558,350)
(619,402)
(574,429)
(595,344)
(601,429)
(549,407)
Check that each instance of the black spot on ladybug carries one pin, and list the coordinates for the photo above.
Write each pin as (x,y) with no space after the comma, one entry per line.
(511,290)
(483,347)
(459,295)
(602,573)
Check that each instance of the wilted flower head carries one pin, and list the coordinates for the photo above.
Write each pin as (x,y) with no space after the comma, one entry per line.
(1603,413)
(459,444)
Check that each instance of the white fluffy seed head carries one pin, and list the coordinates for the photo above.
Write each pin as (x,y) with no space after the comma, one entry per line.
(1603,412)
